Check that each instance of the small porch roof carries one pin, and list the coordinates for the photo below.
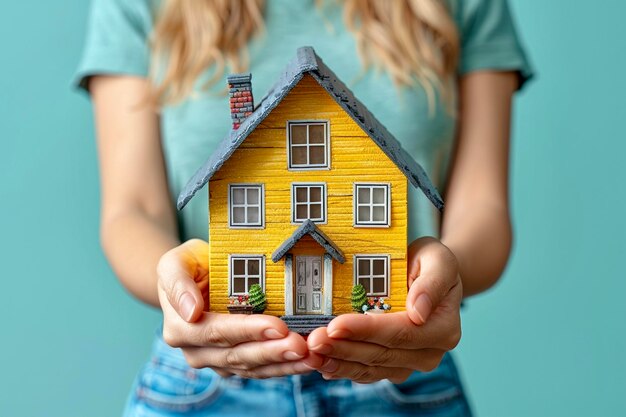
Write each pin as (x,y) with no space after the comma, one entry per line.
(308,227)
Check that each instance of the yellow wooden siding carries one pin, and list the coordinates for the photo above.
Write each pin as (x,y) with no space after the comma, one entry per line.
(262,158)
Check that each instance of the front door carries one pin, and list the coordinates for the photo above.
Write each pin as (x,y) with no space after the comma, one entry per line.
(308,284)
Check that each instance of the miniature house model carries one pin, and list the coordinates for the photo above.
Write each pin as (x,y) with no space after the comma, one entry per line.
(307,197)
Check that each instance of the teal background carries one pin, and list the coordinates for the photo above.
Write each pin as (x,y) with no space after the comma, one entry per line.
(549,340)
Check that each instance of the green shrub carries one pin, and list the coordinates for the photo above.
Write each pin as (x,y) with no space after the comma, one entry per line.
(358,298)
(257,298)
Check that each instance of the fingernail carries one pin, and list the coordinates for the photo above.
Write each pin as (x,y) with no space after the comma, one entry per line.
(187,305)
(323,349)
(273,334)
(292,356)
(423,306)
(340,334)
(329,365)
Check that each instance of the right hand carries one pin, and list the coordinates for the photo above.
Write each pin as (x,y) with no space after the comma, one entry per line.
(251,346)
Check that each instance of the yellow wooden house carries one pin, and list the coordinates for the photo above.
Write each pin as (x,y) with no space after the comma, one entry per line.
(307,197)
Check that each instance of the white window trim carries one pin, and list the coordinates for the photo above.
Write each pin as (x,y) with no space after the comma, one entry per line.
(232,258)
(355,209)
(325,166)
(324,201)
(261,224)
(370,257)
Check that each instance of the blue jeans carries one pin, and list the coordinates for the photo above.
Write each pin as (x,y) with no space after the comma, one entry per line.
(167,386)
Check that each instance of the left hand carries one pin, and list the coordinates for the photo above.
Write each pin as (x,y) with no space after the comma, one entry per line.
(368,348)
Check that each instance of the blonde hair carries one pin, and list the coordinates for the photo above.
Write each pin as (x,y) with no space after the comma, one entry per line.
(415,41)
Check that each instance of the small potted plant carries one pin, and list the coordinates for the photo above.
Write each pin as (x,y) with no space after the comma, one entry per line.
(358,298)
(375,305)
(257,299)
(239,304)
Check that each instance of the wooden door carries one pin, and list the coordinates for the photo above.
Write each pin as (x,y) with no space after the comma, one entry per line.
(308,285)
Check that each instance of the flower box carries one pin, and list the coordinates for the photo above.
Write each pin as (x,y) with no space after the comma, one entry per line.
(240,309)
(375,305)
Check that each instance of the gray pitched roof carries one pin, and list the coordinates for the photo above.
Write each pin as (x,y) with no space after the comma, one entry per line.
(308,227)
(307,62)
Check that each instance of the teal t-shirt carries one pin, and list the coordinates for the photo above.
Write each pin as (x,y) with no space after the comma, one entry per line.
(118,43)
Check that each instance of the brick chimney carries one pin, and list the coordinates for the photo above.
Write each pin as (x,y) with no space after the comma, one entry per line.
(240,94)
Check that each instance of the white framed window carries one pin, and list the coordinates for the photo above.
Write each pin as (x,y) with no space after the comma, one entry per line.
(308,201)
(372,271)
(372,203)
(245,271)
(308,144)
(246,206)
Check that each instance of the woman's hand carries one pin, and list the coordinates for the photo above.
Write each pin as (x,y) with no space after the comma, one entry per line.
(252,346)
(368,348)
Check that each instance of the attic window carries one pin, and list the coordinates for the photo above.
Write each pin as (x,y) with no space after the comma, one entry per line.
(308,145)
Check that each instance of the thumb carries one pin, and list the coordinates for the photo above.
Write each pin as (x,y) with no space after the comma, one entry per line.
(432,273)
(179,272)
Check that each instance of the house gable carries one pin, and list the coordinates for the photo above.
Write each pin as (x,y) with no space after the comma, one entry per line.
(307,62)
(263,159)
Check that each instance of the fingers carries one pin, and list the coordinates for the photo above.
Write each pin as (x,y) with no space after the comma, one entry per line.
(270,371)
(222,330)
(364,374)
(397,330)
(432,272)
(247,356)
(277,369)
(371,354)
(180,271)
(259,360)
